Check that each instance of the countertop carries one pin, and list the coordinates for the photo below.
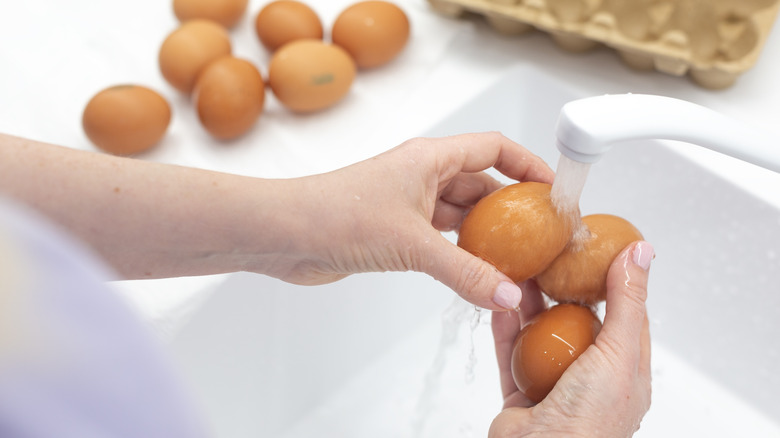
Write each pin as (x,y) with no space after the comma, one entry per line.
(56,55)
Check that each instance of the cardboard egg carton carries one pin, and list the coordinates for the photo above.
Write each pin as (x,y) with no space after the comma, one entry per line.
(713,41)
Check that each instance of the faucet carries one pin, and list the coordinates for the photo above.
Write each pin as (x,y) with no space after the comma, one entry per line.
(587,128)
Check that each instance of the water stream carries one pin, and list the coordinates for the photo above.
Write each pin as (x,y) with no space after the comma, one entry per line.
(451,375)
(566,191)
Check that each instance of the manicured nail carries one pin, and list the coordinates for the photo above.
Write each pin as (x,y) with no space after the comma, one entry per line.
(642,254)
(508,295)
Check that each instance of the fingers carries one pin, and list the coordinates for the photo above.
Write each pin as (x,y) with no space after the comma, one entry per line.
(510,423)
(506,326)
(458,196)
(533,301)
(474,279)
(625,321)
(644,349)
(476,152)
(465,189)
(446,216)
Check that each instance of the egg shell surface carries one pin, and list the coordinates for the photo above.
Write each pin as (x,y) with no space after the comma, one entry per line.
(229,97)
(126,119)
(225,12)
(373,32)
(284,21)
(548,345)
(188,49)
(579,273)
(517,229)
(310,75)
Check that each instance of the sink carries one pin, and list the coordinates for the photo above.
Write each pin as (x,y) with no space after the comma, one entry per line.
(352,359)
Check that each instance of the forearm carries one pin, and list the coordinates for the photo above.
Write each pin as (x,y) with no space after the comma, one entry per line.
(151,220)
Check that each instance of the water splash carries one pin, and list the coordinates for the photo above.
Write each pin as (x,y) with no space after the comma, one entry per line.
(459,319)
(566,192)
(471,363)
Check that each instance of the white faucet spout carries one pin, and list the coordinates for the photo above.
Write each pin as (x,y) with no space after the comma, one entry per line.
(587,128)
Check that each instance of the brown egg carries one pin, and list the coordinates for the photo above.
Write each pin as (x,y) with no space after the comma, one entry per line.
(373,32)
(229,97)
(548,344)
(579,273)
(283,21)
(126,119)
(310,75)
(225,12)
(517,229)
(188,49)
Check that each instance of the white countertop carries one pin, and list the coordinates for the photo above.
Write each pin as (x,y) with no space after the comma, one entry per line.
(56,55)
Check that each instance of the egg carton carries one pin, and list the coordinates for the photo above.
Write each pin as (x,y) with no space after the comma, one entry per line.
(713,41)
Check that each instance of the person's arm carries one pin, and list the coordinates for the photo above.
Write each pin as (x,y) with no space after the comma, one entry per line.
(606,391)
(151,220)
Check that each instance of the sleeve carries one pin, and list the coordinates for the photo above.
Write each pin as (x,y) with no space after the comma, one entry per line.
(74,360)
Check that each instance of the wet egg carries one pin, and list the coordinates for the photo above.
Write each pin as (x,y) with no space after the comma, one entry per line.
(310,75)
(548,345)
(188,49)
(126,119)
(229,97)
(225,12)
(517,229)
(373,32)
(284,21)
(579,273)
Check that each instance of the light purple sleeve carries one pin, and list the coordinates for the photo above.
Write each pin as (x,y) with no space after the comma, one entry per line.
(75,361)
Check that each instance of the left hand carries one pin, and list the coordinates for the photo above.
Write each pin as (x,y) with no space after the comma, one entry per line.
(387,214)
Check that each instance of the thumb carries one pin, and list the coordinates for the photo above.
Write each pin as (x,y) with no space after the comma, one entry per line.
(510,423)
(625,316)
(474,279)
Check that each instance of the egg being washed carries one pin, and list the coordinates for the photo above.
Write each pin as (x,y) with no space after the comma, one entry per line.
(225,12)
(517,229)
(373,32)
(188,49)
(548,345)
(126,119)
(310,75)
(229,97)
(284,21)
(579,273)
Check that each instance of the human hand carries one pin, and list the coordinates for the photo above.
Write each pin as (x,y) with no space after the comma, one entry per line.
(154,220)
(387,214)
(606,391)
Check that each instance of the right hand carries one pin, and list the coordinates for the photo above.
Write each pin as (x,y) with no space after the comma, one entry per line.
(606,391)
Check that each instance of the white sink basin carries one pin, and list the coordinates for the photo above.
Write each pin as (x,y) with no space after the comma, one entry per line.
(350,359)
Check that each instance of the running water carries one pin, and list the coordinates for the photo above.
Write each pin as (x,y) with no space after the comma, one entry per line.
(476,318)
(566,191)
(449,381)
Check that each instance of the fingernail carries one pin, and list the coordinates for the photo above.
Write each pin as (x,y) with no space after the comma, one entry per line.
(508,295)
(642,254)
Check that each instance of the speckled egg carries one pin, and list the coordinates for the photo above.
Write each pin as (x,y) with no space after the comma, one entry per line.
(310,75)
